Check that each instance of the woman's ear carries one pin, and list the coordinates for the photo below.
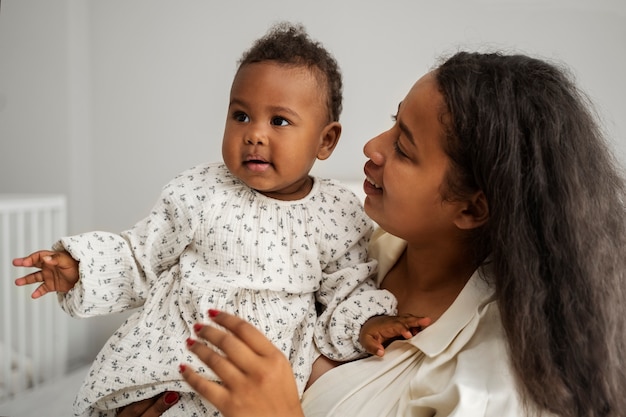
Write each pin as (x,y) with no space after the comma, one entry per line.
(330,137)
(474,213)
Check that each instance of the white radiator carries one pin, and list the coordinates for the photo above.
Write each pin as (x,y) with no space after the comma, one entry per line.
(33,333)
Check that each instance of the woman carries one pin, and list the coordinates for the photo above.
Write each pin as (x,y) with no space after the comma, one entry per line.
(503,213)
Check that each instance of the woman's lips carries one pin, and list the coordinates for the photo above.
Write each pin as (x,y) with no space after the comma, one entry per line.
(370,187)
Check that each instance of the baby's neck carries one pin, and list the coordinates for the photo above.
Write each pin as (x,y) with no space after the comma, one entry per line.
(293,192)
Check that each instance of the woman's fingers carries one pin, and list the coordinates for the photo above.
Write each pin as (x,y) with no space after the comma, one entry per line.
(256,377)
(239,340)
(249,335)
(222,365)
(212,391)
(233,377)
(242,352)
(151,407)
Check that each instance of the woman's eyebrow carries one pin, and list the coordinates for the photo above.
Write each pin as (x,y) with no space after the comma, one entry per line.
(405,129)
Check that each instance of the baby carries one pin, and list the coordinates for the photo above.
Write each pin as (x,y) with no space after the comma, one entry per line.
(255,235)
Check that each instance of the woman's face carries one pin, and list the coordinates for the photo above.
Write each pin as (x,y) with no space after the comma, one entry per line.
(406,168)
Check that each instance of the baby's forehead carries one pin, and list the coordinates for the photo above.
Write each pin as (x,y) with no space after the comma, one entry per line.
(286,71)
(290,70)
(297,67)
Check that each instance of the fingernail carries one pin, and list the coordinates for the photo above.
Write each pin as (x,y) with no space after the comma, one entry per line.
(171,398)
(47,258)
(197,327)
(190,342)
(213,313)
(181,368)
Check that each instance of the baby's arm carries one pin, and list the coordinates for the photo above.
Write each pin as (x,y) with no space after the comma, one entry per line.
(348,293)
(381,329)
(58,271)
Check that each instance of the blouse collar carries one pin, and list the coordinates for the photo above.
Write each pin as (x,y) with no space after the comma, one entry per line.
(469,304)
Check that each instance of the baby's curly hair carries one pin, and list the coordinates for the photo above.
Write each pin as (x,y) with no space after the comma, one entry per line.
(289,44)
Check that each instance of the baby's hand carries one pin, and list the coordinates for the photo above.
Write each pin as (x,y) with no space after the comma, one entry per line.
(58,271)
(380,329)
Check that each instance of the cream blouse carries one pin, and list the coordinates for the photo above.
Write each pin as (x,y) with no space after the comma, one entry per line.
(458,366)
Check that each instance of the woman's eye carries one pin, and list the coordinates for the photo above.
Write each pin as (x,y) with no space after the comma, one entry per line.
(394,118)
(241,117)
(396,148)
(279,121)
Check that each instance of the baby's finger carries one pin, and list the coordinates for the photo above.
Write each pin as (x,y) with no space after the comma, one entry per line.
(414,322)
(51,260)
(31,278)
(408,333)
(40,291)
(373,346)
(35,259)
(423,322)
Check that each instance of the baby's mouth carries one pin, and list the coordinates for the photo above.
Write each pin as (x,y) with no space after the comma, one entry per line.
(256,163)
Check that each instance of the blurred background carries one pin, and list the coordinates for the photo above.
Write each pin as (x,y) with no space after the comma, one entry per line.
(105,101)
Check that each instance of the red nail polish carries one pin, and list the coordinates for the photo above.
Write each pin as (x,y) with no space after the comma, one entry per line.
(197,327)
(190,342)
(213,313)
(171,398)
(181,368)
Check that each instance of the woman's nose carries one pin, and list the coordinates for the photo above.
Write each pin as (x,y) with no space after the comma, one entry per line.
(373,149)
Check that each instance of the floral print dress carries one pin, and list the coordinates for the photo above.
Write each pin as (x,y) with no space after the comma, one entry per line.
(212,242)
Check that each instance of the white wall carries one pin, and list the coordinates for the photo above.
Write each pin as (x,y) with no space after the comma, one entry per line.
(107,100)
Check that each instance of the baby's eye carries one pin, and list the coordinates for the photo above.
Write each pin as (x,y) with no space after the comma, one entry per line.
(279,121)
(241,117)
(394,118)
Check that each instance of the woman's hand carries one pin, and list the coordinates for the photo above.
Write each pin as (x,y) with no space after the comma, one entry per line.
(257,379)
(152,407)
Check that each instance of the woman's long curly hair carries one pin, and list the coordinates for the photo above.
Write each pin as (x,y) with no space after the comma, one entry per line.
(521,131)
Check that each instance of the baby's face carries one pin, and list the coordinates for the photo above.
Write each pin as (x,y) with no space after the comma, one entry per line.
(275,128)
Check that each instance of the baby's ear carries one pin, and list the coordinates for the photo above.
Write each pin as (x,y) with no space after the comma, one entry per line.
(474,213)
(329,138)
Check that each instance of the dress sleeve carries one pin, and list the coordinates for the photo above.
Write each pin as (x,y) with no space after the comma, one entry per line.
(338,336)
(348,295)
(117,270)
